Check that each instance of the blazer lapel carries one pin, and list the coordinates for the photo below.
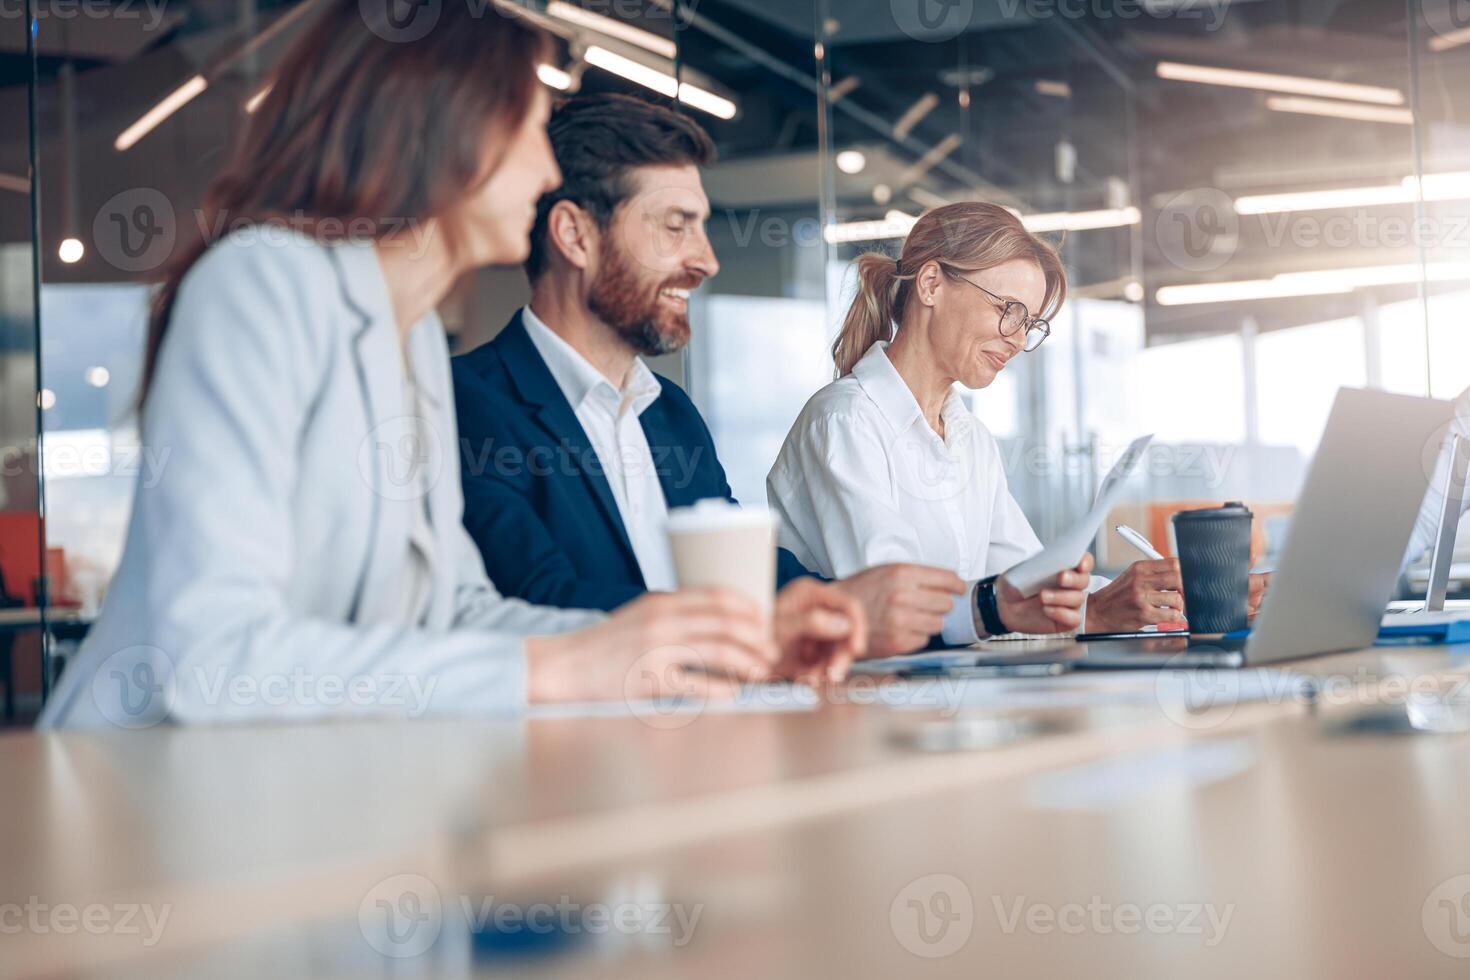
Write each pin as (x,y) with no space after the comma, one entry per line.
(668,456)
(445,504)
(387,453)
(536,386)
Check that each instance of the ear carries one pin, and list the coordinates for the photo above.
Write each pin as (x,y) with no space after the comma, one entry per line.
(571,232)
(928,281)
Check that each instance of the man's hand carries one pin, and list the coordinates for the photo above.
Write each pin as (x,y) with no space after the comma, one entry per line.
(905,604)
(1146,594)
(1057,608)
(1260,581)
(820,630)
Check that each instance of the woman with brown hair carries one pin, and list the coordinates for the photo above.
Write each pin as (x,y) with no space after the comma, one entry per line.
(302,553)
(888,464)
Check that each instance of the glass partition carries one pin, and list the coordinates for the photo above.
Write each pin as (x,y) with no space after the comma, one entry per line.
(760,325)
(1433,334)
(1227,185)
(1256,203)
(138,106)
(23,557)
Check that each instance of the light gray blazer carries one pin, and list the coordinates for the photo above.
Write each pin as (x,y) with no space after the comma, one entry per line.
(261,575)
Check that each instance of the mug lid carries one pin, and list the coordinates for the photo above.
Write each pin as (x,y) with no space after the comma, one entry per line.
(1231,508)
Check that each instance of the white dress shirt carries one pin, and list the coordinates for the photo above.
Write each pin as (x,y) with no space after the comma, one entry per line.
(863,480)
(611,420)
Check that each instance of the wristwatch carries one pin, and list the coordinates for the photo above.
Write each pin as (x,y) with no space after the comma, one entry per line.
(986,608)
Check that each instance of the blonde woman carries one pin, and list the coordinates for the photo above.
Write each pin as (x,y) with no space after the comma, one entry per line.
(887,464)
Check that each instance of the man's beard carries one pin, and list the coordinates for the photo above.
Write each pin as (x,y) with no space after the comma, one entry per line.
(631,306)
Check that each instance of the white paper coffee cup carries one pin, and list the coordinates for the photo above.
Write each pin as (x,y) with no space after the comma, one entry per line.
(716,543)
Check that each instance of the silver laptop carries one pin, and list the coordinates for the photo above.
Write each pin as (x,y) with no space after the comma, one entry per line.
(1349,530)
(1350,526)
(1452,498)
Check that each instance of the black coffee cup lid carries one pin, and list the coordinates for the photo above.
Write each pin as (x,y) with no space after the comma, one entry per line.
(1232,508)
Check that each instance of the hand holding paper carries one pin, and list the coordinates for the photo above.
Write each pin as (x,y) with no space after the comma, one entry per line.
(1056,607)
(1031,575)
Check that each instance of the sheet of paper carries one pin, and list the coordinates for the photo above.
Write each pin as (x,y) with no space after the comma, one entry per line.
(1176,692)
(1067,550)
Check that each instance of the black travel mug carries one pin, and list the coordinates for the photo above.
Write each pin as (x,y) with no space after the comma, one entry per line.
(1215,561)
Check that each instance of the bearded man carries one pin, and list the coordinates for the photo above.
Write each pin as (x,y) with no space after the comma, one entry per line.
(572,450)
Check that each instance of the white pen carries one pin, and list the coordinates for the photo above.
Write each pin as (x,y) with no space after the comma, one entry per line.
(1138,541)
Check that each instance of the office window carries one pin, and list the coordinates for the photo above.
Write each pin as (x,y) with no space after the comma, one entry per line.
(1298,372)
(1191,391)
(755,362)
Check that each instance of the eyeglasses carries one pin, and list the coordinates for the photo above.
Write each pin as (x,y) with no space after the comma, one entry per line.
(1015,317)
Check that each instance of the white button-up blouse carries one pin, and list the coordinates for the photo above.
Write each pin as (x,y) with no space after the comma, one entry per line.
(863,480)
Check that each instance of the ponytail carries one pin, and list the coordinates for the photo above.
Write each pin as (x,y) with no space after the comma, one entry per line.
(870,318)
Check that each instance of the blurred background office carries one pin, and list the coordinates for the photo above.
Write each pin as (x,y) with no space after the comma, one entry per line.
(1259,201)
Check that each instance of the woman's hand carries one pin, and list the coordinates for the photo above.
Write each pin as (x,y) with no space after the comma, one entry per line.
(1260,581)
(820,630)
(1057,608)
(1146,594)
(905,604)
(693,642)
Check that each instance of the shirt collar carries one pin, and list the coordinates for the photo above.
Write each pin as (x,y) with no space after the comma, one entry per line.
(575,375)
(882,383)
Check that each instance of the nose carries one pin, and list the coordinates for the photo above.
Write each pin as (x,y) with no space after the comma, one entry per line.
(703,263)
(1016,341)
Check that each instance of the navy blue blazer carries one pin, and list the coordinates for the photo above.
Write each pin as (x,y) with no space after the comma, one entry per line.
(536,501)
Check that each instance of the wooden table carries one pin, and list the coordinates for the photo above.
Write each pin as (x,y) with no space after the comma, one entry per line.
(812,843)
